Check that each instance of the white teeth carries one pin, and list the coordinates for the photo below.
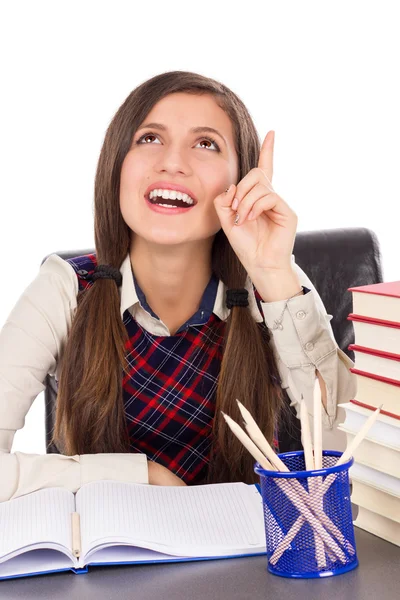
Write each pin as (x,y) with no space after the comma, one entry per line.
(171,194)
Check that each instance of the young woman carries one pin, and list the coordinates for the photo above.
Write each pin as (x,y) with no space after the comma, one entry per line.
(191,300)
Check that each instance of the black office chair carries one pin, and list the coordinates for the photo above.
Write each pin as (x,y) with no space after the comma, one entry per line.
(334,260)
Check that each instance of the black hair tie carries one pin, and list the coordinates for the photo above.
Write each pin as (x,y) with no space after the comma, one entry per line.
(237,297)
(107,272)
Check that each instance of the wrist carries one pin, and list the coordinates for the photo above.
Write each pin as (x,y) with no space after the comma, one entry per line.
(275,286)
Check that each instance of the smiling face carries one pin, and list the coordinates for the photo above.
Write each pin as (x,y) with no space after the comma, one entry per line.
(177,155)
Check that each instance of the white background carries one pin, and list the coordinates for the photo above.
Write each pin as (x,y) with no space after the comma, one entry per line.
(323,75)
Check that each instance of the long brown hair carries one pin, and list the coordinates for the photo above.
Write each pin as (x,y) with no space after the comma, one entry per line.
(90,411)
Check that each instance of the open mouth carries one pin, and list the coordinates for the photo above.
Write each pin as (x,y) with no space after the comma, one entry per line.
(160,201)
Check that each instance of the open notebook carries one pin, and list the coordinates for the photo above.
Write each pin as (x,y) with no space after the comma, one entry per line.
(128,523)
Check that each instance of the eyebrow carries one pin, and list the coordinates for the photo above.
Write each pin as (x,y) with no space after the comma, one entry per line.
(199,129)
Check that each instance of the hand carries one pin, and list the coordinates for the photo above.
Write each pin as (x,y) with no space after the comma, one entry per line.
(264,237)
(160,475)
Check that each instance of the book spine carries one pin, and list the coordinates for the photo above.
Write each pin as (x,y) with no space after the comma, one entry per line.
(373,321)
(76,534)
(374,352)
(395,382)
(369,407)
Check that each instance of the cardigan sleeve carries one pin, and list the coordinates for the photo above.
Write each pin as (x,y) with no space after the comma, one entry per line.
(303,343)
(31,341)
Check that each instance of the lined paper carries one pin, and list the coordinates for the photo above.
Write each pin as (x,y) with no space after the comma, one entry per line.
(43,517)
(204,520)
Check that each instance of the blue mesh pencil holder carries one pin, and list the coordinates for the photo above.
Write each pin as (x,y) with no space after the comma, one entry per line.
(307,515)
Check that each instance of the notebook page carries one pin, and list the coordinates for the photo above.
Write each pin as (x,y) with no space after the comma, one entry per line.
(203,520)
(42,517)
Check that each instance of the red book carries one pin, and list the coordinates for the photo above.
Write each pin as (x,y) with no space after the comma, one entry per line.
(376,362)
(377,301)
(376,322)
(383,412)
(391,288)
(371,351)
(379,322)
(377,377)
(374,391)
(379,335)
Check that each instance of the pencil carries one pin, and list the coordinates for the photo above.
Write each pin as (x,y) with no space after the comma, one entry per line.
(358,438)
(328,482)
(258,437)
(76,534)
(314,487)
(287,489)
(317,426)
(306,436)
(247,443)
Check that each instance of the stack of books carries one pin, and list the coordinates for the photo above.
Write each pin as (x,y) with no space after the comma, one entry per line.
(375,474)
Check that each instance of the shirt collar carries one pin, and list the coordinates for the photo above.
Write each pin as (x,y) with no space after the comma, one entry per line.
(129,297)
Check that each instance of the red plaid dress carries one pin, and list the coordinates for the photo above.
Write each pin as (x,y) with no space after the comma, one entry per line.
(170,390)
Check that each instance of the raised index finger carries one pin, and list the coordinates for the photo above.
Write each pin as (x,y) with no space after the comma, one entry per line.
(266,159)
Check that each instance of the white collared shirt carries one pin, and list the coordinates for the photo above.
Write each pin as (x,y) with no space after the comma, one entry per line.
(32,340)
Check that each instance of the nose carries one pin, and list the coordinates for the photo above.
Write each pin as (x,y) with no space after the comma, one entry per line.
(173,160)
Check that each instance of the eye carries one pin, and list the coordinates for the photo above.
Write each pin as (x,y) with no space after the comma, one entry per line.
(210,140)
(145,136)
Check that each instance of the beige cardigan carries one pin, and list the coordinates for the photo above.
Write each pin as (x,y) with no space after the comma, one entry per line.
(32,340)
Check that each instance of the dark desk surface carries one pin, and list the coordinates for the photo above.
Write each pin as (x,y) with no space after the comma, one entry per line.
(376,578)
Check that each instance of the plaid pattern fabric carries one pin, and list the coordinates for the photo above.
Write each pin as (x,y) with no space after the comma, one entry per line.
(170,391)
